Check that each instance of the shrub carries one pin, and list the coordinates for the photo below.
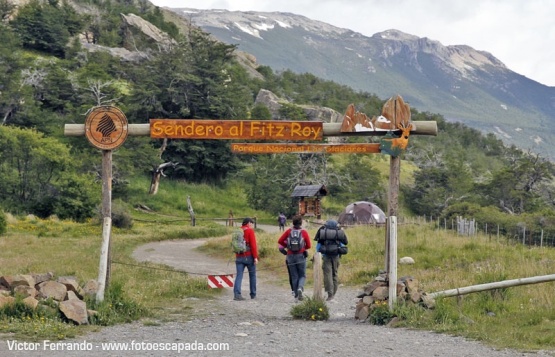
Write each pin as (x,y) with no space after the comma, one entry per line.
(311,309)
(380,313)
(116,308)
(121,218)
(3,222)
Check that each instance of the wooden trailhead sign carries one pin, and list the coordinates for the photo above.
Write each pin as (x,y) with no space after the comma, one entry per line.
(393,125)
(236,129)
(106,127)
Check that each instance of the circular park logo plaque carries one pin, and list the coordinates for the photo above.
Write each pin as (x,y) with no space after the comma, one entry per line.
(106,127)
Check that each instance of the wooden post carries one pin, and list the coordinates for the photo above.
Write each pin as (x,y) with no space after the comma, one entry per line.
(317,272)
(392,224)
(491,286)
(191,212)
(104,271)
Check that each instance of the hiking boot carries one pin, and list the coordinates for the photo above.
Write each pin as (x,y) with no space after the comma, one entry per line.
(330,297)
(300,294)
(238,298)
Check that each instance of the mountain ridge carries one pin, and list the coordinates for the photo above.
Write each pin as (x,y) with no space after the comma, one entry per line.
(461,83)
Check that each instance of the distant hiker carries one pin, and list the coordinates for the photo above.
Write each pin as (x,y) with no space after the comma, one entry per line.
(282,221)
(296,241)
(332,243)
(247,259)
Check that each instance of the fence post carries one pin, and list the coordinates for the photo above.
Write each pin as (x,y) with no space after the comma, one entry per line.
(317,273)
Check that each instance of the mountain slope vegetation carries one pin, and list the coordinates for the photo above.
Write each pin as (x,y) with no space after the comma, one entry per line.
(53,80)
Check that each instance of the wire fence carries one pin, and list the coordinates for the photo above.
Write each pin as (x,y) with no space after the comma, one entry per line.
(513,233)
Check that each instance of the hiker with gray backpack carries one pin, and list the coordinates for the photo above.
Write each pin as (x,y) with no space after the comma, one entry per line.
(332,244)
(243,243)
(294,243)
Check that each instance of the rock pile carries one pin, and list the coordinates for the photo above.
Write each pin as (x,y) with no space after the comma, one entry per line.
(377,291)
(65,292)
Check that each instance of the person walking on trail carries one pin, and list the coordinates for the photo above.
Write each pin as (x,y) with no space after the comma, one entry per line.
(296,242)
(332,243)
(283,251)
(282,221)
(247,259)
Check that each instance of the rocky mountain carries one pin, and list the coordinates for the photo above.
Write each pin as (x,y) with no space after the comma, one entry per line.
(459,82)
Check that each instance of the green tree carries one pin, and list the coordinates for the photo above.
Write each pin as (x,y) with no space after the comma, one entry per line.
(359,181)
(515,188)
(269,182)
(261,112)
(196,79)
(35,172)
(47,27)
(11,64)
(3,222)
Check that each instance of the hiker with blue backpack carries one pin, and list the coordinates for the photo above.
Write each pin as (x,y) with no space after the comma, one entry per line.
(246,256)
(294,243)
(332,244)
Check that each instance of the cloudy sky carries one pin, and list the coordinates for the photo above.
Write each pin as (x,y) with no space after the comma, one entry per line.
(520,33)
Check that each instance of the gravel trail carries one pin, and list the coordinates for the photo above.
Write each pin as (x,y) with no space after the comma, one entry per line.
(259,327)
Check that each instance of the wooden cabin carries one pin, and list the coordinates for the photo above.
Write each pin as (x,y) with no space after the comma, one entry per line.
(309,199)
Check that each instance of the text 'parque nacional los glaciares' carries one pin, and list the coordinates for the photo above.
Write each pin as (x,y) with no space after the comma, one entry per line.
(236,129)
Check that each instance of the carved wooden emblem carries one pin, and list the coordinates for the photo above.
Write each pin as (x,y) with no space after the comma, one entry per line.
(106,127)
(394,112)
(395,116)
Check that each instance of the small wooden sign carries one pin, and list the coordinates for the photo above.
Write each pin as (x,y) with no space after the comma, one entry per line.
(236,129)
(285,148)
(106,127)
(395,113)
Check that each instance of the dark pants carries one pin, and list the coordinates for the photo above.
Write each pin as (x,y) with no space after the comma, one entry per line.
(297,271)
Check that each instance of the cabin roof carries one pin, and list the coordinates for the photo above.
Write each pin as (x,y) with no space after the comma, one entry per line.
(309,191)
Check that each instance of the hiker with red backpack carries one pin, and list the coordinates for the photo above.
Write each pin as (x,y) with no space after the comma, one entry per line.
(294,243)
(246,258)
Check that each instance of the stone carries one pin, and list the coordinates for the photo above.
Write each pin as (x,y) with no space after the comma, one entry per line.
(31,302)
(52,289)
(25,291)
(72,296)
(368,300)
(415,297)
(15,280)
(90,288)
(406,261)
(361,312)
(381,293)
(71,284)
(75,310)
(40,278)
(4,291)
(370,287)
(5,300)
(428,301)
(412,285)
